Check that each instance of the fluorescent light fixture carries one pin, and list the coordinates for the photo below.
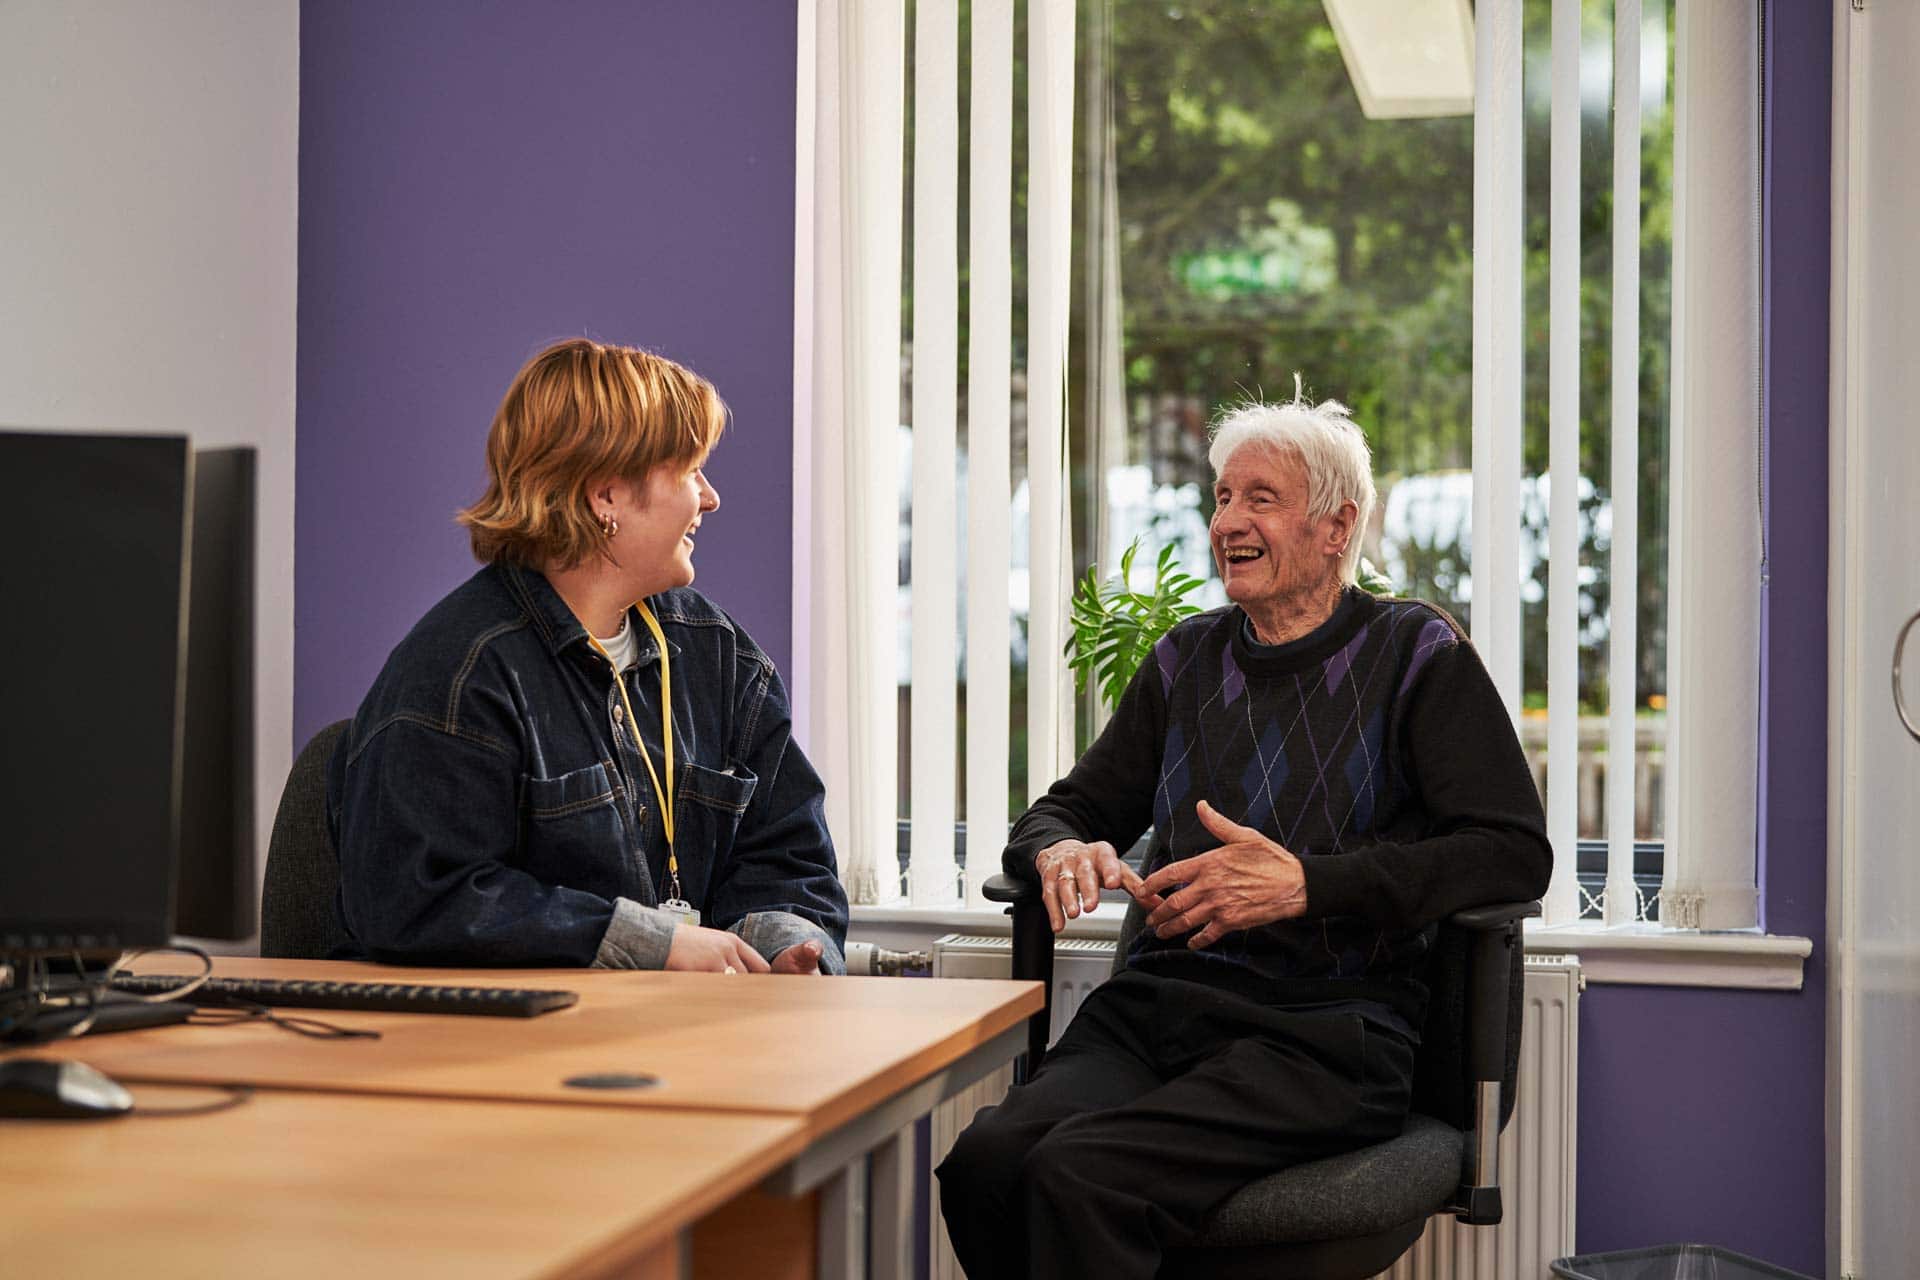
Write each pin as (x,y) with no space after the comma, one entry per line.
(1407,57)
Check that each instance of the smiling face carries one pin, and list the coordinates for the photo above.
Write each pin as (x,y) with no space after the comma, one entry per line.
(658,519)
(1272,555)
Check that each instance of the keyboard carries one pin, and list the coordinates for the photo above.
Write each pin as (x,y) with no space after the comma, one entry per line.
(371,997)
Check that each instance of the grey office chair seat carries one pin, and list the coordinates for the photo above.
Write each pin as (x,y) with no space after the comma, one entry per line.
(1377,1188)
(298,918)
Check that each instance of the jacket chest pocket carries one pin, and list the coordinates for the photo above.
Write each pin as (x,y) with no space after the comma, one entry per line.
(708,805)
(574,835)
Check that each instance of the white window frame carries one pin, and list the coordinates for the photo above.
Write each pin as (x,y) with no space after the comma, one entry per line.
(847,251)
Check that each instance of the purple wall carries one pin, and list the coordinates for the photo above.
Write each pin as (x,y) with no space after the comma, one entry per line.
(1702,1113)
(477,179)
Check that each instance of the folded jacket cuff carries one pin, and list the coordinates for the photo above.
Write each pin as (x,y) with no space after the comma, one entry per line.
(638,937)
(771,932)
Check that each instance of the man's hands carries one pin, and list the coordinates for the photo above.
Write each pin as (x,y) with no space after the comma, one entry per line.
(1247,882)
(701,950)
(1071,876)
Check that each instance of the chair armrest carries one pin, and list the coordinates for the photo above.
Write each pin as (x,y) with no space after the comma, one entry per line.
(1006,888)
(1493,1003)
(1032,958)
(1492,916)
(1495,931)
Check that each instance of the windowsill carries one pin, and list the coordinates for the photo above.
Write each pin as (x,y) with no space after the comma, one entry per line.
(1638,955)
(1103,923)
(1648,955)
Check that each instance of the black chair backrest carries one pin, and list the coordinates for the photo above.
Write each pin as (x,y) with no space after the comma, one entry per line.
(1442,1083)
(298,917)
(1130,926)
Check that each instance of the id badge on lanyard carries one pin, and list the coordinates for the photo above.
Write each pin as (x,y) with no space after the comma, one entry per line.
(682,910)
(674,905)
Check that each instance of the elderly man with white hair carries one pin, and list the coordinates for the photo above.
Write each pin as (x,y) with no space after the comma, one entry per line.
(1327,775)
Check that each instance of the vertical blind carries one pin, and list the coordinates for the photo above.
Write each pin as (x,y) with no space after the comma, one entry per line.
(852,188)
(989,431)
(1621,900)
(1563,463)
(854,191)
(1713,585)
(936,329)
(1499,318)
(1050,29)
(1714,569)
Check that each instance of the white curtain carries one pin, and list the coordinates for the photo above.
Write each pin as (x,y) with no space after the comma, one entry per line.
(848,412)
(1714,576)
(849,197)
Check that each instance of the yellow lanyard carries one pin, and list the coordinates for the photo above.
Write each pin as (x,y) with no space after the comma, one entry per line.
(664,795)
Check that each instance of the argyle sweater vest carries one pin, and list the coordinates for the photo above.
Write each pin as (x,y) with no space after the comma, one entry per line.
(1374,749)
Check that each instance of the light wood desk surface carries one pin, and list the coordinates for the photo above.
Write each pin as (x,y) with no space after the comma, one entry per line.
(823,1049)
(452,1144)
(342,1185)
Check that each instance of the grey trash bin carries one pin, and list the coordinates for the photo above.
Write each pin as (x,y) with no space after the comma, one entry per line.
(1670,1262)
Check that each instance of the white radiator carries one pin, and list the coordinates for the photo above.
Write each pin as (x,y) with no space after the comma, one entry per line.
(1079,965)
(1536,1152)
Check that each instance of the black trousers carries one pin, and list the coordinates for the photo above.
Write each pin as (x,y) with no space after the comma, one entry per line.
(1163,1098)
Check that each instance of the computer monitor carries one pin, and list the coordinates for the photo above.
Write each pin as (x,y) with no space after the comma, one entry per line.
(126,775)
(93,571)
(216,886)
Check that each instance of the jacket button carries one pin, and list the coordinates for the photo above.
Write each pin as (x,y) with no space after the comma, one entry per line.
(619,714)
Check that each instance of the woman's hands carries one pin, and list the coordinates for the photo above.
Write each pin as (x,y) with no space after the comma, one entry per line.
(696,949)
(1072,874)
(801,957)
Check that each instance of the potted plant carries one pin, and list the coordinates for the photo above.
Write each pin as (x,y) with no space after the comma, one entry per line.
(1116,627)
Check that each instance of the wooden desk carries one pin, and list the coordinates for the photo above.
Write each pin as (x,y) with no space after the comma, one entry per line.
(333,1185)
(825,1049)
(848,1063)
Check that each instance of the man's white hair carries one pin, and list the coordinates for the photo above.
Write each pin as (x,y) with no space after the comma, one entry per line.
(1327,443)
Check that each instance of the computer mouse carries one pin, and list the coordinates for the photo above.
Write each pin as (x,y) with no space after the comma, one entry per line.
(42,1088)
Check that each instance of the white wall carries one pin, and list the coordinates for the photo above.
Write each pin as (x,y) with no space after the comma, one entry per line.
(148,177)
(1873,904)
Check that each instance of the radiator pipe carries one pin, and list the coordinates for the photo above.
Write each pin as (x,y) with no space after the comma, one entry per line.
(863,958)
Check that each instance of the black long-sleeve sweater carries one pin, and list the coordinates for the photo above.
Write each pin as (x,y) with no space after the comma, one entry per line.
(1375,749)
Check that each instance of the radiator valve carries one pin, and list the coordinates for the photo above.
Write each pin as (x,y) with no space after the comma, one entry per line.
(865,958)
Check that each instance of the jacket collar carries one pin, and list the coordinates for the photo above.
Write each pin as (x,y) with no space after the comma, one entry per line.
(555,621)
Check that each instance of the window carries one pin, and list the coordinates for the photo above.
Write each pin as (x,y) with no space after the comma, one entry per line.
(1253,211)
(1240,199)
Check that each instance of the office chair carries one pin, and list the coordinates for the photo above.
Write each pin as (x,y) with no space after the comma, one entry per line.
(298,918)
(1349,1217)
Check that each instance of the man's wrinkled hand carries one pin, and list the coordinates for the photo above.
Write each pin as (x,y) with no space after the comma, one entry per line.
(1247,882)
(1072,874)
(801,957)
(701,950)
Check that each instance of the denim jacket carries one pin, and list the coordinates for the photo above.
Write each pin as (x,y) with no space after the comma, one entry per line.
(490,806)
